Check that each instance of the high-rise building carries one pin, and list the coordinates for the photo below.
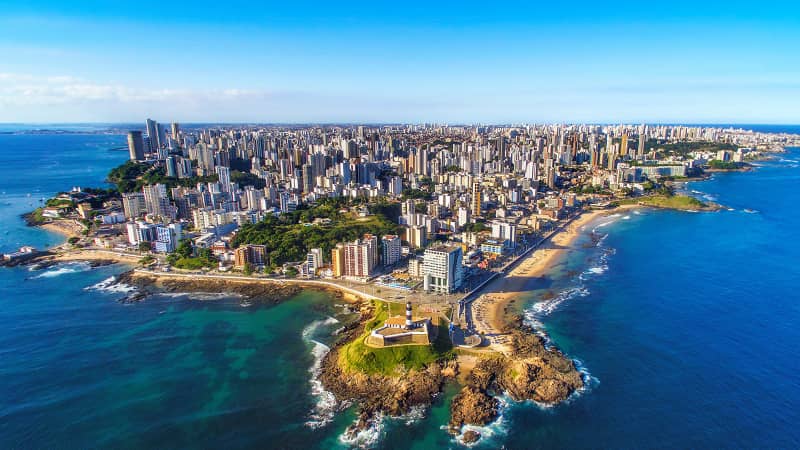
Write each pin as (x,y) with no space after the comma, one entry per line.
(156,201)
(417,236)
(442,268)
(623,146)
(224,175)
(176,131)
(255,255)
(505,232)
(337,260)
(135,145)
(152,132)
(308,178)
(476,199)
(172,166)
(391,249)
(314,260)
(642,139)
(133,205)
(360,257)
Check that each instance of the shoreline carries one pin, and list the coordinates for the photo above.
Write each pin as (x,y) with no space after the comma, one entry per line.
(492,305)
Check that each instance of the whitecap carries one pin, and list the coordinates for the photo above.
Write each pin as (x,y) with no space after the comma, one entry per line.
(110,285)
(65,268)
(496,429)
(545,307)
(326,405)
(367,437)
(597,270)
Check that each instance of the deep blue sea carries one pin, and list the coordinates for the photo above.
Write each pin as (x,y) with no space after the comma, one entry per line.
(687,324)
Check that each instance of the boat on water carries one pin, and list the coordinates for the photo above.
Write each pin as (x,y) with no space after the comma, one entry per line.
(245,304)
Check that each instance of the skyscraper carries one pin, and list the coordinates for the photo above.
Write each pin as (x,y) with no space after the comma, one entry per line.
(623,146)
(442,269)
(156,201)
(152,132)
(642,140)
(175,132)
(135,145)
(476,199)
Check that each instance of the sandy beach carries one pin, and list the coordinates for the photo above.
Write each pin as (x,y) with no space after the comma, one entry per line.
(65,227)
(488,310)
(92,255)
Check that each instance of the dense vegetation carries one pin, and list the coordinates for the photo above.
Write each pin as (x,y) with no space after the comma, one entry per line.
(357,356)
(475,227)
(724,165)
(132,176)
(684,202)
(684,148)
(183,257)
(289,237)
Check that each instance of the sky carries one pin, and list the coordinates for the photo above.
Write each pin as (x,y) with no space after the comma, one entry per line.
(447,62)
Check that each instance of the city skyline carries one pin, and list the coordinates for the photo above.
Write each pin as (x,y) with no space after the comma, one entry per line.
(453,63)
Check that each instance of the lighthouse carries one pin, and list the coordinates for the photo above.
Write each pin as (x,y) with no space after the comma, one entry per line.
(409,323)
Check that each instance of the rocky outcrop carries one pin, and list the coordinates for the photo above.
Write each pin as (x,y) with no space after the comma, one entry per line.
(472,406)
(532,372)
(376,393)
(265,292)
(392,395)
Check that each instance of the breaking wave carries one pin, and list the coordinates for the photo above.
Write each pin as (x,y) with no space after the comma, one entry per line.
(111,285)
(366,437)
(65,268)
(494,430)
(326,404)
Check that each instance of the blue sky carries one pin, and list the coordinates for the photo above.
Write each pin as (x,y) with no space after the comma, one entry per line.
(412,62)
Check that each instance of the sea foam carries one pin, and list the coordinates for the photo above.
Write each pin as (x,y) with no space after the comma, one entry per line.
(111,285)
(65,268)
(490,432)
(326,404)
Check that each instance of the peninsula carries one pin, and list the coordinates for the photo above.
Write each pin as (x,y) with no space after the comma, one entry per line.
(432,233)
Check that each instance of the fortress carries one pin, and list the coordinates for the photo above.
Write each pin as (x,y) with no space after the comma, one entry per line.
(399,330)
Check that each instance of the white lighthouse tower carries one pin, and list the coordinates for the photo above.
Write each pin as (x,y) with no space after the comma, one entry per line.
(409,323)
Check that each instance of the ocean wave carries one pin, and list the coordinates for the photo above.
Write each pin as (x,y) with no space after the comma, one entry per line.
(326,405)
(111,285)
(491,431)
(366,437)
(601,225)
(65,268)
(545,307)
(598,270)
(201,296)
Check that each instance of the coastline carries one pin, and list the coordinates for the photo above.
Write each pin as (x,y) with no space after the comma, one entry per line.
(65,227)
(492,305)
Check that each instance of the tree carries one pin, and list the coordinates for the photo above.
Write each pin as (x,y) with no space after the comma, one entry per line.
(247,269)
(184,248)
(144,246)
(290,272)
(73,240)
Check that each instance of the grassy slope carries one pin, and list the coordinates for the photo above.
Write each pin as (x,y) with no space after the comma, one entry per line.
(357,356)
(671,202)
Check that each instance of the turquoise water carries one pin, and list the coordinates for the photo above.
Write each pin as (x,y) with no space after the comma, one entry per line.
(685,323)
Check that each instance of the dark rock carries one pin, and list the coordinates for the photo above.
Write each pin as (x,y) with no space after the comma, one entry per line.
(470,437)
(472,406)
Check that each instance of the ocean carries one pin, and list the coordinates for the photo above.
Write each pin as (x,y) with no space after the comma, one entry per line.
(685,323)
